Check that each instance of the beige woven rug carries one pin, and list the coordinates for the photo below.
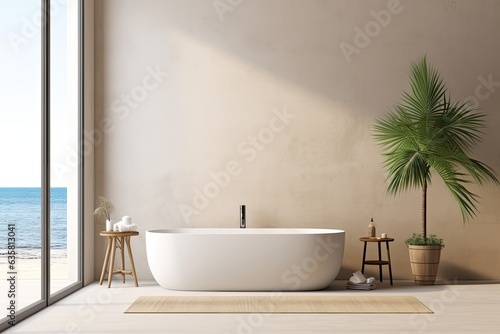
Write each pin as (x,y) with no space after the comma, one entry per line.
(277,304)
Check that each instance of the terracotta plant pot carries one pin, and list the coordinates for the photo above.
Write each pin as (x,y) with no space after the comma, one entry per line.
(424,263)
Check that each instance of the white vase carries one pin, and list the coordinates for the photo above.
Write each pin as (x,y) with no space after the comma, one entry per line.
(109,225)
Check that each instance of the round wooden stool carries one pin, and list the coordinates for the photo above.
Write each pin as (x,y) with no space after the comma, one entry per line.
(378,262)
(118,239)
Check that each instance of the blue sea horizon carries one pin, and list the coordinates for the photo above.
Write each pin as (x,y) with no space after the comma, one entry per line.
(21,206)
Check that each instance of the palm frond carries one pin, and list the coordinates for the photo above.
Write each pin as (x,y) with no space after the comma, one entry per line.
(459,125)
(455,181)
(406,169)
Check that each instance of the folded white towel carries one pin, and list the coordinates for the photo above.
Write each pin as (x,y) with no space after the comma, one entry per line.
(370,280)
(126,228)
(363,286)
(121,227)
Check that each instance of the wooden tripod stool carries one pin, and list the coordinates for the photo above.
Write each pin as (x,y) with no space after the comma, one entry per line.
(120,240)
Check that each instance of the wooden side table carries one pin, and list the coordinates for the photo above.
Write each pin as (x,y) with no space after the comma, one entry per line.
(378,262)
(120,239)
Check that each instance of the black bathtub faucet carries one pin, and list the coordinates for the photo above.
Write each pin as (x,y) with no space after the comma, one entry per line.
(243,218)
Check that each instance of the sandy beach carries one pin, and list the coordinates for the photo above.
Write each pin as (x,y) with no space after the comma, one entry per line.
(28,276)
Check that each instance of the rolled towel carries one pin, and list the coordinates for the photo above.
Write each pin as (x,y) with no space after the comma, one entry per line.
(355,280)
(370,280)
(126,220)
(359,275)
(358,278)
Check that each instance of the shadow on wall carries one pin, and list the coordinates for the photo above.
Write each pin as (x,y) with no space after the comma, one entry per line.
(346,272)
(447,271)
(304,42)
(298,42)
(456,272)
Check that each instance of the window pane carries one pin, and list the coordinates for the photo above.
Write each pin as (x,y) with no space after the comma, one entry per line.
(64,145)
(20,148)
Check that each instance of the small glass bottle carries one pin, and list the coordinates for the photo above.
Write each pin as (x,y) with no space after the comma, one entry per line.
(371,229)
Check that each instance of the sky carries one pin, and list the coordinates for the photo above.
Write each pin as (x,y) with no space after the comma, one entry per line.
(20,93)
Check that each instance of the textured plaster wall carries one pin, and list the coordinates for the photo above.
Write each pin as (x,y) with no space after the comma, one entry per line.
(270,103)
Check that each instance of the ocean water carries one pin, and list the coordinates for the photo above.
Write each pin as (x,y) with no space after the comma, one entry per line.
(22,207)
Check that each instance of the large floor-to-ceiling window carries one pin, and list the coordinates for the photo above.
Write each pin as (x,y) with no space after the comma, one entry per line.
(40,160)
(64,134)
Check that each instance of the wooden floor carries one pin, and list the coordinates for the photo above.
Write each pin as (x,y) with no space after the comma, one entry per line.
(458,308)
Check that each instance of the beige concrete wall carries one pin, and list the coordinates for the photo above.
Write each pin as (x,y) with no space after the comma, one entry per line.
(282,96)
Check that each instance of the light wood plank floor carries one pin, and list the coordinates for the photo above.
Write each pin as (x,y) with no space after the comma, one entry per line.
(458,308)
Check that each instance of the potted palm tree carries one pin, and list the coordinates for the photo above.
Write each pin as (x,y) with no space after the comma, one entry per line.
(427,134)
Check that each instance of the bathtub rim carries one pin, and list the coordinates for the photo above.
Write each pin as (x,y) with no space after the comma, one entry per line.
(245,231)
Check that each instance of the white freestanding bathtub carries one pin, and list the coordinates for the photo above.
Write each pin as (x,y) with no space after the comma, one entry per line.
(253,259)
